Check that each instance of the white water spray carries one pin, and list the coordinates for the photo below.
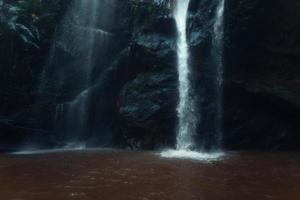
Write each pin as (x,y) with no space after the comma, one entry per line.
(83,34)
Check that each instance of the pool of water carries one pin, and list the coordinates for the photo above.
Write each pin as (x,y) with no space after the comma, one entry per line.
(112,175)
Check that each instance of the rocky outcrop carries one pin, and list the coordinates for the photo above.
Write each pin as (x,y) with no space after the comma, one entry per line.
(146,107)
(146,103)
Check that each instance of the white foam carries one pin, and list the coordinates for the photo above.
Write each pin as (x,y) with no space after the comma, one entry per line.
(75,146)
(46,151)
(37,151)
(72,146)
(193,155)
(57,150)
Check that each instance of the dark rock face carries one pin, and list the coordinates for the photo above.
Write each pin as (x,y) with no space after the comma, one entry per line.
(262,74)
(147,109)
(104,107)
(146,104)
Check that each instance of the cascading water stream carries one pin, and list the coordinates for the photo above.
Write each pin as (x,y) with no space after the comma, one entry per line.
(79,48)
(185,109)
(217,54)
(187,120)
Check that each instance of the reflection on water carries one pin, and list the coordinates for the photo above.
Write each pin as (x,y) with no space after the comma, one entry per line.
(113,175)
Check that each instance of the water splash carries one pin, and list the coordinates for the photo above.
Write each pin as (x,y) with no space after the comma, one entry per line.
(186,154)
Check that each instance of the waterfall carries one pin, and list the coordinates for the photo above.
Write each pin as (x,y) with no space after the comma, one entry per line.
(81,36)
(217,55)
(187,120)
(80,45)
(71,118)
(185,109)
(87,42)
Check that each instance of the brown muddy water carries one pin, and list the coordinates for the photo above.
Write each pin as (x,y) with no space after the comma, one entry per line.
(122,175)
